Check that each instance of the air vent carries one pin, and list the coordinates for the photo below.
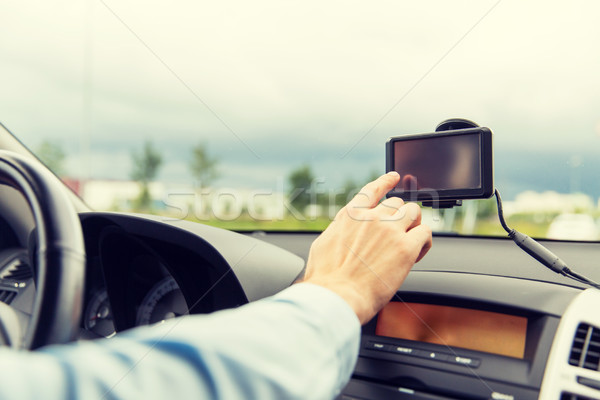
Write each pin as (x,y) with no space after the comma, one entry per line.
(13,276)
(571,396)
(18,270)
(585,351)
(7,296)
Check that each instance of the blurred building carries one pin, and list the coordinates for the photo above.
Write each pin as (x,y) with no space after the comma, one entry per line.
(549,202)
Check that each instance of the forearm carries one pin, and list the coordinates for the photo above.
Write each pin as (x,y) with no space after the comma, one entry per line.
(300,344)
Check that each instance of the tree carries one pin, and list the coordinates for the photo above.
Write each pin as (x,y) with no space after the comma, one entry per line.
(52,155)
(349,190)
(146,164)
(202,166)
(374,174)
(300,181)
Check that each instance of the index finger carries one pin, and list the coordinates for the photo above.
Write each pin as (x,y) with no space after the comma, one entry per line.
(372,192)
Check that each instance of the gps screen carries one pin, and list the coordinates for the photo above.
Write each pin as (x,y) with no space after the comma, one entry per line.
(439,163)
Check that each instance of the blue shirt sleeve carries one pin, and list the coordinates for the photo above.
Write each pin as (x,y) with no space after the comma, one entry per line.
(299,344)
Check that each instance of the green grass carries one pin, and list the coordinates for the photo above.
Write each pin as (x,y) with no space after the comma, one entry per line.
(531,225)
(493,228)
(287,224)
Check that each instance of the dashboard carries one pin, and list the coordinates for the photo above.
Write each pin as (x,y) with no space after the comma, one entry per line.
(476,319)
(491,347)
(143,270)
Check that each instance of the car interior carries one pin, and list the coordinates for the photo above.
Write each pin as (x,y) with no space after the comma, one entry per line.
(486,321)
(279,91)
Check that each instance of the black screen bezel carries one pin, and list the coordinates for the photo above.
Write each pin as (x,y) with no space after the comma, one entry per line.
(487,168)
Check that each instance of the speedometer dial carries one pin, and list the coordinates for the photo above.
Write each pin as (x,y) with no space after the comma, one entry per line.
(164,301)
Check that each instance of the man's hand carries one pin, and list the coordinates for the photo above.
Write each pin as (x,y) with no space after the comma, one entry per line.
(367,251)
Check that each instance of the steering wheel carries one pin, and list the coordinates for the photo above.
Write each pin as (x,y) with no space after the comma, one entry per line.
(59,259)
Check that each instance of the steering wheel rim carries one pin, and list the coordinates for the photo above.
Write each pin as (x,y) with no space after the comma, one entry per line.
(60,252)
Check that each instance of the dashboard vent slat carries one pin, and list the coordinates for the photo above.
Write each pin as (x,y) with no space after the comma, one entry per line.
(585,350)
(7,296)
(571,396)
(18,270)
(14,275)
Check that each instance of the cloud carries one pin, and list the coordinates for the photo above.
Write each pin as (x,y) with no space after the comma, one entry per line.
(295,82)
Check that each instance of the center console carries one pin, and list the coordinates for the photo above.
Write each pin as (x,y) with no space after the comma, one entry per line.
(444,344)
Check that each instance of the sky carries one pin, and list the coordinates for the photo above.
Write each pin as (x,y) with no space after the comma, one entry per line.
(271,85)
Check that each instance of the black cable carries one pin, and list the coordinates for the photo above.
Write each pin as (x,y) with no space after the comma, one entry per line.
(581,278)
(501,212)
(539,252)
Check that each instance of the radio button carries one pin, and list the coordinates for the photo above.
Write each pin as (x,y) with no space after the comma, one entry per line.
(408,351)
(466,361)
(432,355)
(378,346)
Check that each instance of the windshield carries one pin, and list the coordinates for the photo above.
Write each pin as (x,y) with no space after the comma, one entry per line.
(268,115)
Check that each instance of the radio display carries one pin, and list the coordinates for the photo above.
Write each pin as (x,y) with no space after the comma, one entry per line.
(486,331)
